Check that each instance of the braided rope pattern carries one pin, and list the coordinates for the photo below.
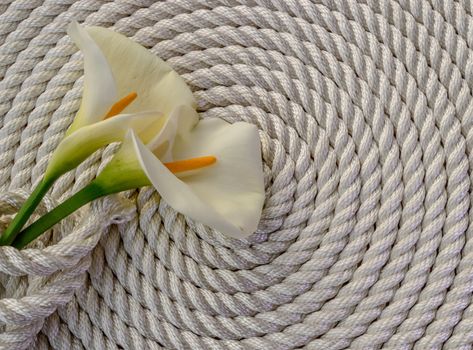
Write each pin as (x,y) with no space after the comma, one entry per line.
(365,112)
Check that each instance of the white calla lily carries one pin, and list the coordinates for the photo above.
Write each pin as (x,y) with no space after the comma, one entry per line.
(228,195)
(115,66)
(225,193)
(116,71)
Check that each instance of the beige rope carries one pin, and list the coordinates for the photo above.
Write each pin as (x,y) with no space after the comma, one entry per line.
(365,111)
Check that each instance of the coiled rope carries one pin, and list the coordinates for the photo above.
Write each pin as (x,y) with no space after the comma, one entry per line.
(365,111)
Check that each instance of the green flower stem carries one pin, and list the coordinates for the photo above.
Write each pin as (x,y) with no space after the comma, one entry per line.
(113,179)
(84,196)
(124,172)
(25,212)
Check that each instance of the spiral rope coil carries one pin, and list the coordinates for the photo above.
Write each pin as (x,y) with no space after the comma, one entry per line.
(365,112)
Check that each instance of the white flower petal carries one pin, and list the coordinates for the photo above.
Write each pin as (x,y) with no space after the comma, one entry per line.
(100,91)
(77,146)
(137,69)
(181,120)
(227,196)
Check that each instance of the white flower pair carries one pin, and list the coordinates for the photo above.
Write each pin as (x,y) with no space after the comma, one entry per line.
(209,170)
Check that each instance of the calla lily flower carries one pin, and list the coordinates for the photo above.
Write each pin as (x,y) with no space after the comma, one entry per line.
(119,75)
(208,170)
(114,80)
(212,174)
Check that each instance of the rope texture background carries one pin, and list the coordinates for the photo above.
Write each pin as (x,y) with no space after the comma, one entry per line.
(365,111)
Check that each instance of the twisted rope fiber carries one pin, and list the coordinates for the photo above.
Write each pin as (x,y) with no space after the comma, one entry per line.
(365,117)
(52,273)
